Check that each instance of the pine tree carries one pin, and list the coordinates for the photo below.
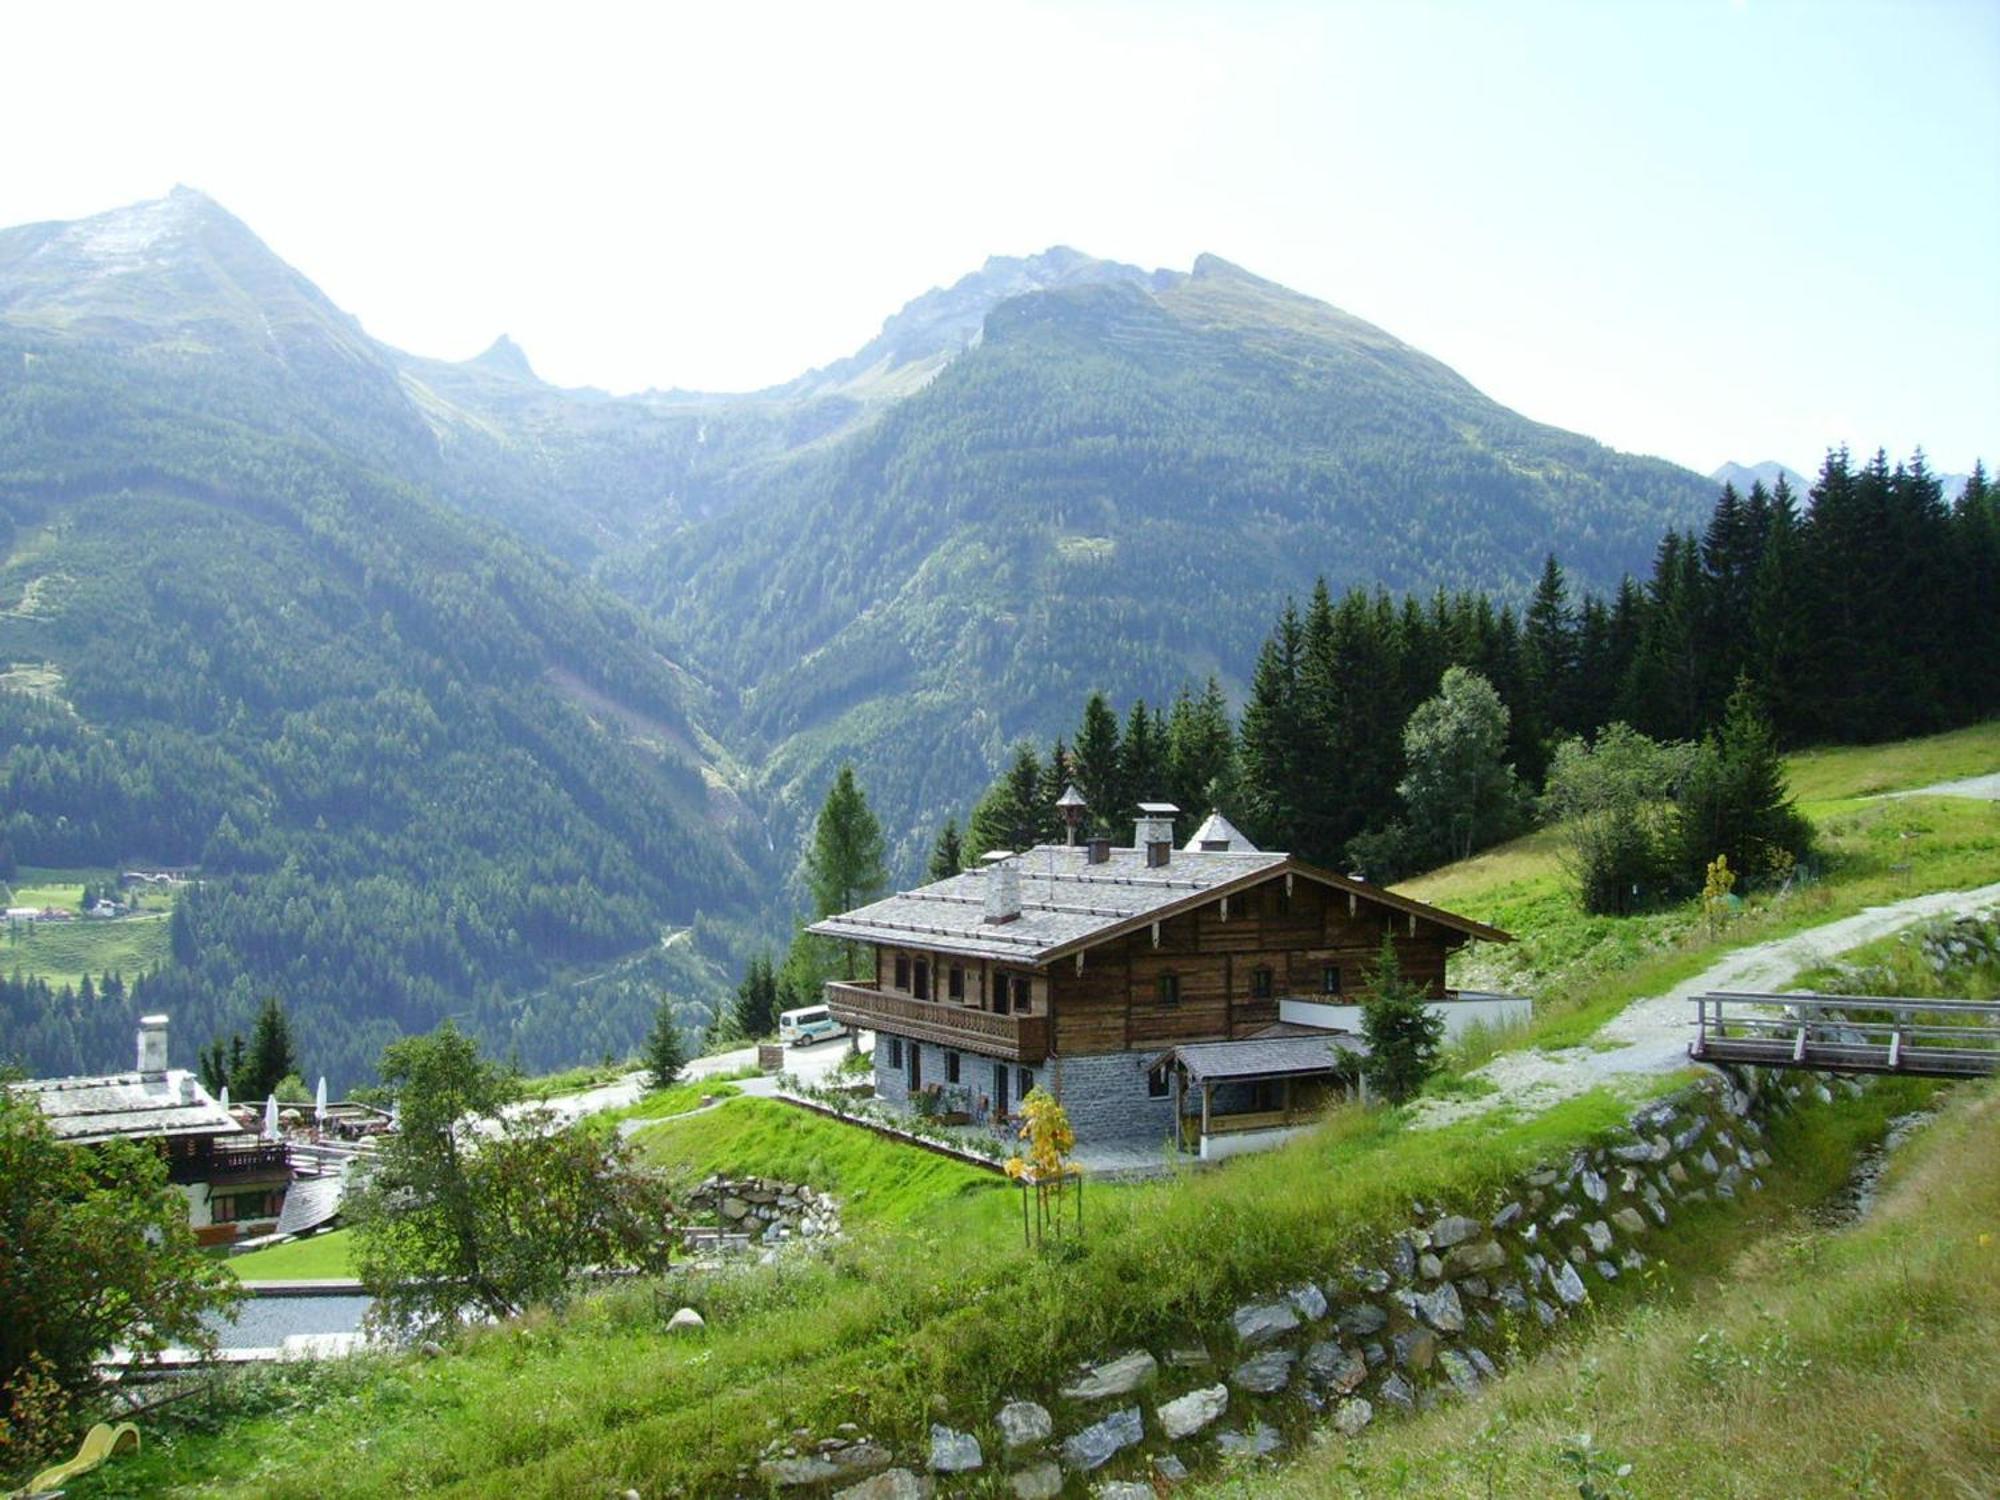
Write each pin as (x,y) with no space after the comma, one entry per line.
(1099,769)
(1402,1030)
(947,854)
(1009,816)
(1735,803)
(845,866)
(1271,736)
(1548,669)
(270,1055)
(1142,757)
(666,1053)
(1201,754)
(754,1012)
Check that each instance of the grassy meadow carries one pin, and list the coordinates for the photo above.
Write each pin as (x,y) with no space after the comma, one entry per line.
(1806,1361)
(63,952)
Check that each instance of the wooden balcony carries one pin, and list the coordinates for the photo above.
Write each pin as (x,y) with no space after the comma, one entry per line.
(1017,1038)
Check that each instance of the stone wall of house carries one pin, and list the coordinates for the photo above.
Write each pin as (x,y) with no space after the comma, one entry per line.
(975,1075)
(1106,1100)
(1432,1314)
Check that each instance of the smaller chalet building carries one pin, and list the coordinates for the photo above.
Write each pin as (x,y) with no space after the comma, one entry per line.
(235,1183)
(1201,994)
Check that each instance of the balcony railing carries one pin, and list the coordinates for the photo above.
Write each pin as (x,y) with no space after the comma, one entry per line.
(226,1163)
(1017,1038)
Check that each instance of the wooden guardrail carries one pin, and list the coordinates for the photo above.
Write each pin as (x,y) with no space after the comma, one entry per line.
(1849,1033)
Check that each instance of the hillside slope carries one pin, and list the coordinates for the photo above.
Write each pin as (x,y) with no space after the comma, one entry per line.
(425,769)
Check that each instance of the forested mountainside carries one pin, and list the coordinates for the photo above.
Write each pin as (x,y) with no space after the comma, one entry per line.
(342,626)
(424,769)
(1119,484)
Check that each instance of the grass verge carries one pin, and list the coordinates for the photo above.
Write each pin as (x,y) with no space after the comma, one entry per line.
(322,1257)
(1863,1361)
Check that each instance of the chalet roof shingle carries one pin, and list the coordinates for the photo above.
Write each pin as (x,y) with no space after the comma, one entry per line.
(127,1106)
(1069,904)
(1263,1056)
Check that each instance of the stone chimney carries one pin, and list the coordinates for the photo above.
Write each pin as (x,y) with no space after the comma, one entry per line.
(1098,851)
(152,1044)
(1003,887)
(1154,832)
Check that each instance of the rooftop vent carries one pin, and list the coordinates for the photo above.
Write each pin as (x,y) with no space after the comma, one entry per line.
(1071,805)
(1003,887)
(152,1044)
(1155,832)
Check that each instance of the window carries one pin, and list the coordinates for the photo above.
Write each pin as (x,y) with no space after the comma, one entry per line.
(895,1052)
(1261,981)
(1169,991)
(903,972)
(1329,980)
(956,983)
(951,1067)
(922,988)
(1026,1079)
(1000,993)
(916,1066)
(1156,1084)
(238,1208)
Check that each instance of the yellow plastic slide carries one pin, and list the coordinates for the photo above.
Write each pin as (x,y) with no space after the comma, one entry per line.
(98,1444)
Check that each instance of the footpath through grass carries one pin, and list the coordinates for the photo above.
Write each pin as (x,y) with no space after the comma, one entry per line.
(1864,1361)
(1584,969)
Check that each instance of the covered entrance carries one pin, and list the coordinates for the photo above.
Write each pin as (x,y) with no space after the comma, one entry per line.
(1231,1097)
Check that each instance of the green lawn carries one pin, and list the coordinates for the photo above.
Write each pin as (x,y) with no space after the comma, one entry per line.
(63,952)
(324,1256)
(1864,770)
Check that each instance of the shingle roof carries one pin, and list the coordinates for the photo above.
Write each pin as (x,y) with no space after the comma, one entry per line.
(118,1106)
(1264,1056)
(1069,904)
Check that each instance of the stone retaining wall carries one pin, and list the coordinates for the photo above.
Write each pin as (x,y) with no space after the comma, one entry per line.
(1432,1315)
(765,1209)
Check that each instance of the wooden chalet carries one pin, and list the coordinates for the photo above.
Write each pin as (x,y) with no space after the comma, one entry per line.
(1190,993)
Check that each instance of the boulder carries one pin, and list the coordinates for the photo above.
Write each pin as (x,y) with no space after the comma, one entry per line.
(890,1484)
(1545,1313)
(1260,1441)
(1339,1370)
(1442,1309)
(1352,1415)
(1475,1255)
(1403,1258)
(734,1208)
(1169,1469)
(1460,1371)
(1630,1220)
(1569,1286)
(1309,1301)
(1261,1322)
(1506,1216)
(1098,1443)
(1042,1481)
(1398,1392)
(1429,1267)
(1454,1229)
(1599,1235)
(1023,1424)
(1123,1489)
(686,1320)
(1116,1377)
(1188,1356)
(1265,1374)
(1186,1415)
(859,1458)
(1415,1348)
(790,1473)
(1481,1361)
(1361,1319)
(1371,1279)
(954,1452)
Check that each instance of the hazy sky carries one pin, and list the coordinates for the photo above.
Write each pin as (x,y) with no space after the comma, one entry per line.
(1700,229)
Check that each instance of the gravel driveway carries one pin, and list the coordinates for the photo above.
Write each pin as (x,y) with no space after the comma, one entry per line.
(1650,1036)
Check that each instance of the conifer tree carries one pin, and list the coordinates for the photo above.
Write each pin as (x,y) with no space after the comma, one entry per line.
(666,1053)
(1099,770)
(845,866)
(1141,757)
(1271,734)
(1201,753)
(1734,802)
(1402,1030)
(269,1056)
(754,1011)
(1009,816)
(947,854)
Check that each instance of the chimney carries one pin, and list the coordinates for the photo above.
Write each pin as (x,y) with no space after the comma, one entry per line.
(1098,851)
(152,1044)
(1155,832)
(1003,887)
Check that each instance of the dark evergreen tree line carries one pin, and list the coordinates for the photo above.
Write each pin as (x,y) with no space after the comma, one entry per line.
(1873,611)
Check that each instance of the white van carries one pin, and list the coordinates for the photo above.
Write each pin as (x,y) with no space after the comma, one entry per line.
(813,1023)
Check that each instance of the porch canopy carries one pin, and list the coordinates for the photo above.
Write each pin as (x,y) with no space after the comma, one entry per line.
(1284,1054)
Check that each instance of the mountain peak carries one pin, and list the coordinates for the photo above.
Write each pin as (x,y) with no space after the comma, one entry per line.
(505,358)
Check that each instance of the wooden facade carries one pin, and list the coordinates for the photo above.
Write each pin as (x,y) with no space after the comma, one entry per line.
(1212,971)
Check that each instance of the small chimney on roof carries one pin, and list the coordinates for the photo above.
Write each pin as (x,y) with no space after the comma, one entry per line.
(1071,805)
(1003,887)
(1155,832)
(152,1044)
(1097,851)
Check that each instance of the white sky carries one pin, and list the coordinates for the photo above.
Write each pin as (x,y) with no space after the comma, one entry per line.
(1699,229)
